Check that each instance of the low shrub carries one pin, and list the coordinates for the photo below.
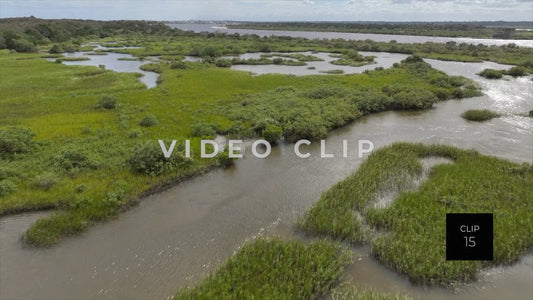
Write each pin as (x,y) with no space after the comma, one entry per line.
(14,140)
(45,181)
(148,159)
(272,133)
(75,159)
(203,129)
(517,71)
(224,160)
(56,48)
(107,102)
(178,64)
(491,74)
(149,121)
(7,187)
(413,59)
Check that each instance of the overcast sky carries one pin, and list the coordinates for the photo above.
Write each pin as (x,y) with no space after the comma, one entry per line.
(274,10)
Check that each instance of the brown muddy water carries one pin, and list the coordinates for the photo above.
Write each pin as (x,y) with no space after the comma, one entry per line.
(173,238)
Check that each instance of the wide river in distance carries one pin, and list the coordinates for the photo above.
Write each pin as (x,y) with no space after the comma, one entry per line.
(348,35)
(174,238)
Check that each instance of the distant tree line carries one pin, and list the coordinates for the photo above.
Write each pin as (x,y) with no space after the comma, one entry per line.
(26,34)
(467,29)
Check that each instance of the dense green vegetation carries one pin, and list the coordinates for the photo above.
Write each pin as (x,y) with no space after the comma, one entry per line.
(501,30)
(274,269)
(88,125)
(479,115)
(26,34)
(411,229)
(491,73)
(311,113)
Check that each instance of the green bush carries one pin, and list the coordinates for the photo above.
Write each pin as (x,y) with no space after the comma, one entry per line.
(76,159)
(272,133)
(224,160)
(22,45)
(45,181)
(149,121)
(107,102)
(69,47)
(311,128)
(56,48)
(413,59)
(15,140)
(203,129)
(517,71)
(148,159)
(178,64)
(325,91)
(491,74)
(7,187)
(409,97)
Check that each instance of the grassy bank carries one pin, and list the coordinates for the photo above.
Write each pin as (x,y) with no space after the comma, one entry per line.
(479,115)
(89,136)
(411,236)
(274,269)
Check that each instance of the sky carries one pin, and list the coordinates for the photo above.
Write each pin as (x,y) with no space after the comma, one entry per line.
(274,10)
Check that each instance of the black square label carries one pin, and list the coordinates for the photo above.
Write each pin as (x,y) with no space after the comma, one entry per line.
(469,236)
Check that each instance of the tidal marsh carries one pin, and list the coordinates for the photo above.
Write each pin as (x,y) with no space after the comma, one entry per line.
(96,144)
(412,229)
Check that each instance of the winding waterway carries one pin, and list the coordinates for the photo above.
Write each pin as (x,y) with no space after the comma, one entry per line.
(175,237)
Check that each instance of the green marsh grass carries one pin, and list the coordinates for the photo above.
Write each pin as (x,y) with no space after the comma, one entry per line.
(350,292)
(412,239)
(479,115)
(274,269)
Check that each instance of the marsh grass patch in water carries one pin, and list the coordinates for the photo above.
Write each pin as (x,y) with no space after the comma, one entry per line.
(274,269)
(479,115)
